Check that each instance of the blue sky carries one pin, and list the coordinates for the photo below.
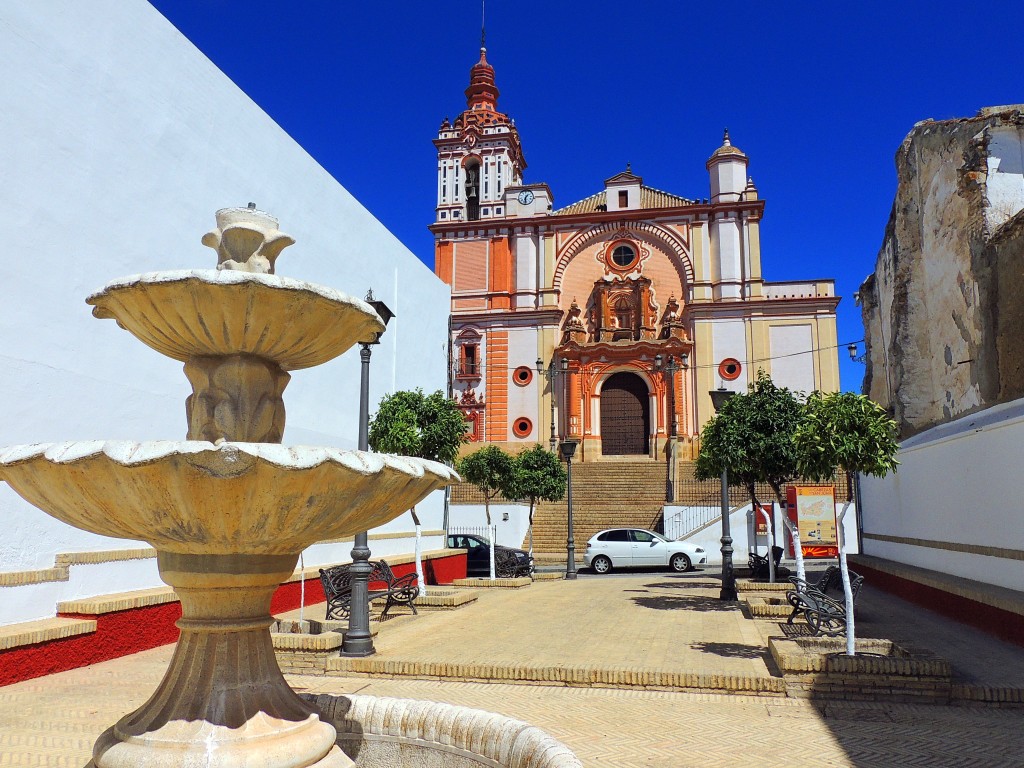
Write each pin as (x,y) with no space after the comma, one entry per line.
(819,96)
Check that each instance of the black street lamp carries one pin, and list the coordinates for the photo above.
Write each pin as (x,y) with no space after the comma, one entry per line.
(568,447)
(358,641)
(669,369)
(551,373)
(718,399)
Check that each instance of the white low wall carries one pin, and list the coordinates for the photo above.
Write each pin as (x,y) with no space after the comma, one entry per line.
(953,505)
(742,527)
(119,141)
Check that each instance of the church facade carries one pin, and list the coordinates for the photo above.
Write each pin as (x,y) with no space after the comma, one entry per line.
(609,320)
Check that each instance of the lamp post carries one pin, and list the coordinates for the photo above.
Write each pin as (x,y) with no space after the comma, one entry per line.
(718,399)
(552,372)
(670,368)
(568,447)
(358,641)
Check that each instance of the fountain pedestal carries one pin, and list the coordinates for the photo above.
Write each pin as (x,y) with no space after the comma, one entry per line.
(223,701)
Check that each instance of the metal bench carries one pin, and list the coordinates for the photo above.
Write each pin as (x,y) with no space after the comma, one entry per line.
(758,564)
(397,590)
(824,614)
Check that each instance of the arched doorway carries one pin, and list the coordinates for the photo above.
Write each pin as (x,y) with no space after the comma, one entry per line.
(625,415)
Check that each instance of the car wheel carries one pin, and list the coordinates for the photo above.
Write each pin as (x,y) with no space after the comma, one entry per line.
(601,564)
(680,563)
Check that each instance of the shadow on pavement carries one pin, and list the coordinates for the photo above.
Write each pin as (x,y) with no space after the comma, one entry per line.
(688,603)
(730,650)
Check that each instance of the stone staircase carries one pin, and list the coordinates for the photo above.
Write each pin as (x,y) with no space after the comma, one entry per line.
(606,494)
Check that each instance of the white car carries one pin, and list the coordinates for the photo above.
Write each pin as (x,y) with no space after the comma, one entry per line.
(640,548)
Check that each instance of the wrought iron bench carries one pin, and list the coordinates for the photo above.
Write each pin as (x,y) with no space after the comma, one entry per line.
(507,566)
(397,590)
(758,564)
(825,615)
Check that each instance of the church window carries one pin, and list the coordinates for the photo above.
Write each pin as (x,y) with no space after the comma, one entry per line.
(497,211)
(522,427)
(623,198)
(730,369)
(473,191)
(623,255)
(522,375)
(485,211)
(469,361)
(444,214)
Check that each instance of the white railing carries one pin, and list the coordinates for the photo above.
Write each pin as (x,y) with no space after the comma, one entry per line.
(689,519)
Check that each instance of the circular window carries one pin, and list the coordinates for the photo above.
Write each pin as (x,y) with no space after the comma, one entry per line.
(522,427)
(623,255)
(522,375)
(730,369)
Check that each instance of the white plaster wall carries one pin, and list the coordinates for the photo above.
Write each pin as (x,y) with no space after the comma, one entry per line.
(522,401)
(792,363)
(1005,185)
(508,533)
(728,180)
(526,269)
(958,483)
(118,143)
(729,339)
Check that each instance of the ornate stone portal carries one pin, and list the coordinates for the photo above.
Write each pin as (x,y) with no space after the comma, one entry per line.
(227,510)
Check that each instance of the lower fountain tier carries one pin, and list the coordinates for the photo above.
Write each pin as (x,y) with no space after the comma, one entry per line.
(195,497)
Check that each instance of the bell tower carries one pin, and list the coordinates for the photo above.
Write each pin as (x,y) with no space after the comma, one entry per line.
(478,155)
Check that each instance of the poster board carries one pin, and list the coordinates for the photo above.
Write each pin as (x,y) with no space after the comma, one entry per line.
(816,520)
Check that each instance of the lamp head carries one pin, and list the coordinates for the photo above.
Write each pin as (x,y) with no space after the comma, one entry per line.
(382,310)
(852,349)
(658,359)
(720,396)
(540,365)
(568,448)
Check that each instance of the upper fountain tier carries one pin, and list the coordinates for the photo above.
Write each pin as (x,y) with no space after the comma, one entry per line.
(242,307)
(212,313)
(238,328)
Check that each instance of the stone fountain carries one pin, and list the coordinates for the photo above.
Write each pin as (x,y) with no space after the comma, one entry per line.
(228,511)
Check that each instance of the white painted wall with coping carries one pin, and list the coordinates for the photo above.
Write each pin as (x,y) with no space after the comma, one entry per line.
(117,147)
(508,533)
(957,488)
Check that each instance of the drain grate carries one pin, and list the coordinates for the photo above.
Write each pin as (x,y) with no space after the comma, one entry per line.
(795,630)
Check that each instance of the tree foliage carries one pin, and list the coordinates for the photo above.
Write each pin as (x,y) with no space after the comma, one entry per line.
(752,437)
(492,470)
(538,476)
(411,423)
(845,431)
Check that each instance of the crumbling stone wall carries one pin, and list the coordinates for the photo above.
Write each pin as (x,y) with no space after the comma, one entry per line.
(943,304)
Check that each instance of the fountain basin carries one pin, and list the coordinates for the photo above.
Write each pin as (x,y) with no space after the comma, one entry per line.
(212,313)
(380,732)
(200,498)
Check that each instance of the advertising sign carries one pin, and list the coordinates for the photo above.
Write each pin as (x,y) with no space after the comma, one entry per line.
(816,520)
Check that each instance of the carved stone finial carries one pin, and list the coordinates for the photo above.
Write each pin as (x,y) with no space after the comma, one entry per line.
(247,240)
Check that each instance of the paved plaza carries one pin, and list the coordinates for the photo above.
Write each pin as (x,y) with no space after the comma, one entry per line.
(644,622)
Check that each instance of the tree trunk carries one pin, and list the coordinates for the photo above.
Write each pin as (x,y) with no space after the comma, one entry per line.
(771,532)
(531,527)
(487,508)
(844,569)
(419,552)
(794,532)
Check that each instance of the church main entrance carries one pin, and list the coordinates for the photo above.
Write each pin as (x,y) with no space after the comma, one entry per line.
(625,415)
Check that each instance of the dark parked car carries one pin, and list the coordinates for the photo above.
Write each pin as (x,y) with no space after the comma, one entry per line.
(509,562)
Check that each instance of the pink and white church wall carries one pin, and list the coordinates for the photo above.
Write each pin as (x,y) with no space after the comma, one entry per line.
(119,142)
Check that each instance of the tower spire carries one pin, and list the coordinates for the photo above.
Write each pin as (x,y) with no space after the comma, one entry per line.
(483,23)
